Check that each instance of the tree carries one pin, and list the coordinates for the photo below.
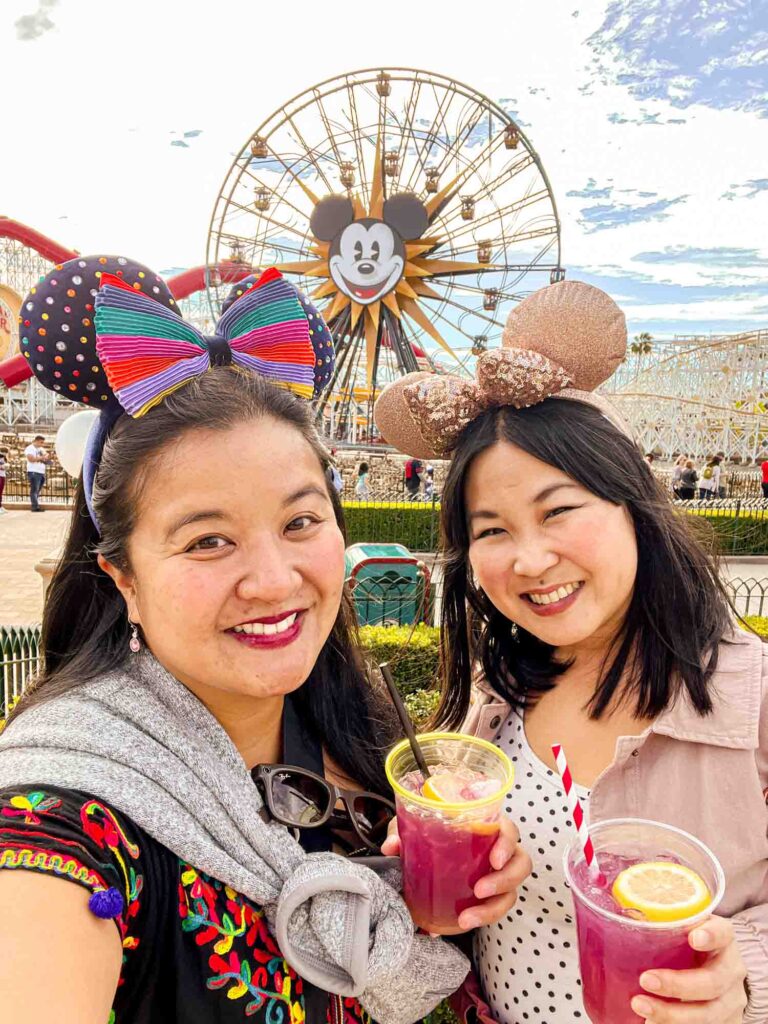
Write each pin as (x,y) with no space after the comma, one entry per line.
(642,345)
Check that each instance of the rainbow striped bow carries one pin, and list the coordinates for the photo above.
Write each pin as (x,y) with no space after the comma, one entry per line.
(148,351)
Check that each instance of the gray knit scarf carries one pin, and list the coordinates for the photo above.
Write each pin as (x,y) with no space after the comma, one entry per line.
(143,743)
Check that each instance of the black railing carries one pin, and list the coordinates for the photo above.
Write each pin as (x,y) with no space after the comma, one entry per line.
(59,487)
(739,527)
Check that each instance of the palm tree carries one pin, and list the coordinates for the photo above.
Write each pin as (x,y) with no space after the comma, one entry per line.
(642,345)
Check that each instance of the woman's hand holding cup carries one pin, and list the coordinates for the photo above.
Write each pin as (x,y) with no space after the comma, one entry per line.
(711,994)
(497,891)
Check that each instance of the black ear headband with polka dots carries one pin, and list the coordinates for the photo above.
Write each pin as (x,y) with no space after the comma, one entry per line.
(58,335)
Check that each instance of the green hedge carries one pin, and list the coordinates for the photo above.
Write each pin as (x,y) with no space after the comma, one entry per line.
(415,526)
(735,535)
(412,653)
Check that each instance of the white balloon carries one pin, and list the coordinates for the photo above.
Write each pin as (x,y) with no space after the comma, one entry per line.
(71,439)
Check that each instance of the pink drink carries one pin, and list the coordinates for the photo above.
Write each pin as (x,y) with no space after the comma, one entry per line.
(614,947)
(446,844)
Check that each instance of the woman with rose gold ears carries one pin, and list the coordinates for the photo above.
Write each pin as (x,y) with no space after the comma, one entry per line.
(579,608)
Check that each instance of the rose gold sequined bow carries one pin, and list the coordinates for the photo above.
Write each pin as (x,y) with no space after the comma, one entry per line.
(444,405)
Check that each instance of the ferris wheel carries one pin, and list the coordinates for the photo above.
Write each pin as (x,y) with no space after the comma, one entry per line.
(411,209)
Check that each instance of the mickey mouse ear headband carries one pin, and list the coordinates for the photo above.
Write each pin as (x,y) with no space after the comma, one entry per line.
(560,342)
(104,331)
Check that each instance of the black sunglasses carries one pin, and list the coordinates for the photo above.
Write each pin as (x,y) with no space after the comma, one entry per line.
(299,798)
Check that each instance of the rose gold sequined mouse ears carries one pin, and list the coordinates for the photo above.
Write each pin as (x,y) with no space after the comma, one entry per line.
(565,339)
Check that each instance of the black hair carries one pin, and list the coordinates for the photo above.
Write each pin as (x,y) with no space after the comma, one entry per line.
(679,609)
(85,623)
(362,468)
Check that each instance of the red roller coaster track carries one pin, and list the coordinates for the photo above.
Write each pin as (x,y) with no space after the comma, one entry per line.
(188,282)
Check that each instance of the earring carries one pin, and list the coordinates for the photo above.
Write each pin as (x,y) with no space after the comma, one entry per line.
(513,631)
(134,643)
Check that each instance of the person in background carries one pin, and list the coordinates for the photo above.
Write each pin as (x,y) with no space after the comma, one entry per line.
(361,487)
(677,473)
(717,490)
(709,484)
(688,481)
(764,469)
(413,469)
(3,464)
(333,475)
(429,483)
(649,457)
(37,460)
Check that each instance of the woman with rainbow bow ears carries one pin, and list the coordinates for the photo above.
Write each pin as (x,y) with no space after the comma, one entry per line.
(203,736)
(580,609)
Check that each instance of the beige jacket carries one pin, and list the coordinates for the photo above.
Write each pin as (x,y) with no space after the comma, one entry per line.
(708,776)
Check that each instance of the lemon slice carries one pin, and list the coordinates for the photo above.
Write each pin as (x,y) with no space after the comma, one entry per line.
(444,788)
(661,891)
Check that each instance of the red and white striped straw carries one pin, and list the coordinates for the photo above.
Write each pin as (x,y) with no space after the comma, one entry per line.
(577,813)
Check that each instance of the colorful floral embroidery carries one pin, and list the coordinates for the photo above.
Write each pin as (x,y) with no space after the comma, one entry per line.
(256,968)
(29,807)
(25,847)
(43,860)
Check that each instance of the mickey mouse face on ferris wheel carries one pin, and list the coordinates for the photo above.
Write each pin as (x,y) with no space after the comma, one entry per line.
(367,256)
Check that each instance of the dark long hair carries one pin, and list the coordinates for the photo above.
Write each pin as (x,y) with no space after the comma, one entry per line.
(85,623)
(679,610)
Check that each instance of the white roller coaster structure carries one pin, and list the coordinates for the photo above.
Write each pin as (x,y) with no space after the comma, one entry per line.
(699,396)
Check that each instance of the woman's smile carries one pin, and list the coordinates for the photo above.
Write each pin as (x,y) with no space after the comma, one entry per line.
(553,600)
(271,631)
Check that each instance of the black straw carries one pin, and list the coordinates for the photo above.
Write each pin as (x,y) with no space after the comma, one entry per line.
(405,719)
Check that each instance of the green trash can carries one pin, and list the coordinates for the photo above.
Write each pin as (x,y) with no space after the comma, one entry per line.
(389,586)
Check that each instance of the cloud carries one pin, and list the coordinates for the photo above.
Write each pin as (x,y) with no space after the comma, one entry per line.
(638,293)
(590,191)
(509,106)
(33,26)
(687,52)
(747,190)
(717,256)
(645,118)
(193,134)
(618,213)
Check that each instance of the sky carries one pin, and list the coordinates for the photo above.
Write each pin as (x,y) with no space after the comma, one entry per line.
(650,118)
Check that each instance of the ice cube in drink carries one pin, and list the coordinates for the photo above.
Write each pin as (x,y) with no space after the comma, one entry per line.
(448,823)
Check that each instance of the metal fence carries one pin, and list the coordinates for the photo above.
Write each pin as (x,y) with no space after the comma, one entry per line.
(59,487)
(739,527)
(19,660)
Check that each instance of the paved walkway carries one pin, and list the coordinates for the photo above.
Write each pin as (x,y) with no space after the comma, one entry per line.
(25,538)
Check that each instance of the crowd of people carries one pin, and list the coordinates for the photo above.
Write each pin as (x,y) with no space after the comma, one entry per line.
(688,483)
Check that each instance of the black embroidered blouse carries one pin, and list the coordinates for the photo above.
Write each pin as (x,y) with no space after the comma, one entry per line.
(194,950)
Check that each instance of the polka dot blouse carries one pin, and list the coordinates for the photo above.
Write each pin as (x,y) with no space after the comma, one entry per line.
(528,963)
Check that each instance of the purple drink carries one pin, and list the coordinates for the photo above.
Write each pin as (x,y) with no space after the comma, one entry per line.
(615,947)
(441,864)
(448,827)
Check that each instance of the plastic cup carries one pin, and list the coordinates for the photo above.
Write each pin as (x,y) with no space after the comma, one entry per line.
(445,847)
(614,949)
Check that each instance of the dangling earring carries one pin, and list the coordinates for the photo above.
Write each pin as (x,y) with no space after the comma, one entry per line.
(513,631)
(134,643)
